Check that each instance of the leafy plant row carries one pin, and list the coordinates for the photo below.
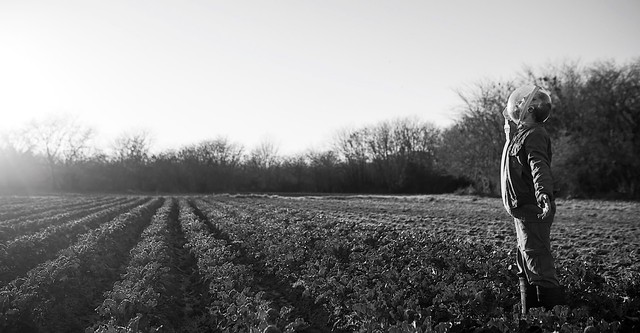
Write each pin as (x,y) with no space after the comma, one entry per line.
(25,225)
(596,260)
(61,295)
(288,265)
(53,210)
(286,303)
(144,299)
(16,206)
(605,283)
(383,278)
(283,248)
(11,200)
(233,305)
(37,205)
(23,253)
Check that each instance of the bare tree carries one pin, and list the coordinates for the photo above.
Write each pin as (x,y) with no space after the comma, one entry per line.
(325,167)
(472,147)
(131,157)
(219,152)
(211,165)
(132,148)
(16,142)
(265,155)
(351,146)
(59,139)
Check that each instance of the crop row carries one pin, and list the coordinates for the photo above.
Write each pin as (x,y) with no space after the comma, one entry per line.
(182,273)
(18,206)
(148,290)
(358,286)
(170,284)
(232,264)
(25,225)
(382,278)
(220,293)
(60,295)
(37,207)
(23,253)
(233,305)
(35,213)
(598,258)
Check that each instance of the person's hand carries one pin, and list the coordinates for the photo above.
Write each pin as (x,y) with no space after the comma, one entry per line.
(545,204)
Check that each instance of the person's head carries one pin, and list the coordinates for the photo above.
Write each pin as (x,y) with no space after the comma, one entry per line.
(529,104)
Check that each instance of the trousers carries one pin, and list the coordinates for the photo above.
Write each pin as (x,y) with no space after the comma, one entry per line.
(534,258)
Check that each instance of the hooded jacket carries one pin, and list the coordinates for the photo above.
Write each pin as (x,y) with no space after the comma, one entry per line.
(526,168)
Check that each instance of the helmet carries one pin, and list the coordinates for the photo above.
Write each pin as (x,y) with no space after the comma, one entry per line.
(529,98)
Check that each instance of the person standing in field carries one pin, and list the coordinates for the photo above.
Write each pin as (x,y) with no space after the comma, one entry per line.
(528,195)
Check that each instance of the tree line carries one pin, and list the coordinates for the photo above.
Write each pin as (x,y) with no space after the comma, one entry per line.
(391,157)
(594,128)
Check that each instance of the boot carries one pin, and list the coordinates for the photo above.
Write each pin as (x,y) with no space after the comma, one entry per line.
(550,297)
(528,296)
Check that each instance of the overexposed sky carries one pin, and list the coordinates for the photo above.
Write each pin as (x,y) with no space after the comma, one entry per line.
(292,71)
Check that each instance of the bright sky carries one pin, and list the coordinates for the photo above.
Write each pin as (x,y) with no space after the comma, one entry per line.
(290,71)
